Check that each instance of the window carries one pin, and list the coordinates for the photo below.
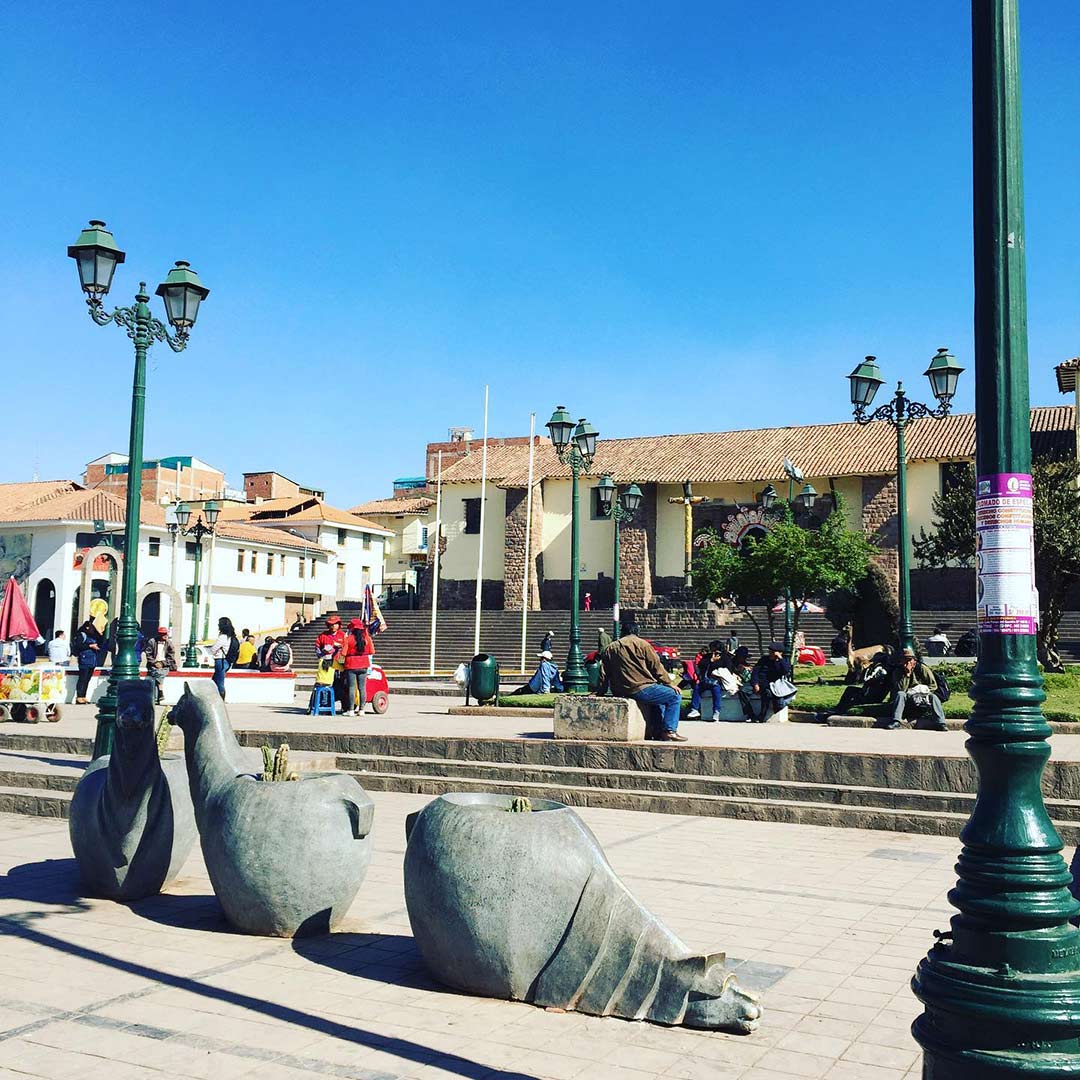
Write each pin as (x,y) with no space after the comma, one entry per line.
(300,562)
(341,537)
(253,562)
(365,540)
(240,560)
(189,594)
(269,562)
(312,566)
(596,507)
(472,515)
(955,474)
(189,551)
(154,546)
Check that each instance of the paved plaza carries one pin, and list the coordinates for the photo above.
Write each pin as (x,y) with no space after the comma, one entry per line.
(828,924)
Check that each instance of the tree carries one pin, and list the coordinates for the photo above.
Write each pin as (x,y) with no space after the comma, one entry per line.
(788,560)
(1056,507)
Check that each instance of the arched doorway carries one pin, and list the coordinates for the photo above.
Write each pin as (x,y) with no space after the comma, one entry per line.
(148,604)
(45,608)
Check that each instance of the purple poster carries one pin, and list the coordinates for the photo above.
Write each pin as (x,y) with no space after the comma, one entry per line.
(1005,555)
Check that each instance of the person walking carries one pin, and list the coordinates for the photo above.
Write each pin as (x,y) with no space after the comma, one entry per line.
(588,601)
(224,652)
(357,658)
(90,651)
(549,642)
(59,650)
(771,672)
(915,694)
(160,660)
(632,669)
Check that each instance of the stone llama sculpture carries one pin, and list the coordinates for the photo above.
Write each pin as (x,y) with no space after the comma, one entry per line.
(131,823)
(524,905)
(285,858)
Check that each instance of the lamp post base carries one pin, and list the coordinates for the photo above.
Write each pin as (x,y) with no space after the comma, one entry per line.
(106,720)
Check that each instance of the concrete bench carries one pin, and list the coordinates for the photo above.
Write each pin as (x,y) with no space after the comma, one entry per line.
(605,719)
(731,710)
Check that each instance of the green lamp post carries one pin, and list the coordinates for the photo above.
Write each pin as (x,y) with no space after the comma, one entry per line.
(803,501)
(619,510)
(97,257)
(576,447)
(943,373)
(1001,988)
(204,526)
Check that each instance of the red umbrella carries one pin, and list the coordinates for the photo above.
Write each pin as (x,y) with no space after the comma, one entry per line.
(16,622)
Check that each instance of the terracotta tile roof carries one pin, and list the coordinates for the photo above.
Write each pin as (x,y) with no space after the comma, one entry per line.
(820,450)
(1066,375)
(70,502)
(17,496)
(306,508)
(262,534)
(418,505)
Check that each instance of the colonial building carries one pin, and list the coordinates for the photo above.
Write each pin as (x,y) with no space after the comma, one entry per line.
(407,517)
(64,543)
(728,468)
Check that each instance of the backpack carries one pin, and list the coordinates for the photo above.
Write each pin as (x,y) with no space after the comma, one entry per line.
(943,691)
(234,651)
(280,655)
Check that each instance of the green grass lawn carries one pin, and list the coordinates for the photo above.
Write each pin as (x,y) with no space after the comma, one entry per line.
(820,690)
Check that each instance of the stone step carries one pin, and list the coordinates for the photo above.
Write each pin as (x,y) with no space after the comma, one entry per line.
(679,784)
(34,802)
(883,769)
(927,822)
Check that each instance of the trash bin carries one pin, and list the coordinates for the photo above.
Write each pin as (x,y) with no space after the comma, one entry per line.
(592,670)
(484,678)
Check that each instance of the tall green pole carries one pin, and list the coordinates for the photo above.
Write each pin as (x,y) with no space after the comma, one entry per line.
(789,643)
(125,661)
(575,678)
(192,658)
(615,605)
(907,631)
(1001,989)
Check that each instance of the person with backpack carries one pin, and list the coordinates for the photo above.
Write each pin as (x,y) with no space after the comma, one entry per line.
(281,656)
(357,659)
(90,650)
(224,652)
(915,695)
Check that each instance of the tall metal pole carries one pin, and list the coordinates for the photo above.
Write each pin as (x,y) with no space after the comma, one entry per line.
(480,554)
(435,568)
(789,640)
(575,678)
(907,631)
(1001,990)
(527,575)
(125,662)
(192,658)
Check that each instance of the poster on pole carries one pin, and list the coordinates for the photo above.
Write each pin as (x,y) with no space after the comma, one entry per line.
(1005,554)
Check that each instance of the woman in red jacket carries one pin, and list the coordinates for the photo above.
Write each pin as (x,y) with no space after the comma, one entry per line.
(357,656)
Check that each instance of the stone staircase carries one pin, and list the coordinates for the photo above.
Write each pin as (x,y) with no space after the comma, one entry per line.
(902,792)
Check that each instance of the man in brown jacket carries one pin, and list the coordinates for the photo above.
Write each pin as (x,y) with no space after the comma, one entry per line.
(633,670)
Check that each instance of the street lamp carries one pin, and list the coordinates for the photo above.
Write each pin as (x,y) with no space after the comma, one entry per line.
(576,447)
(1001,988)
(204,526)
(619,510)
(97,257)
(943,373)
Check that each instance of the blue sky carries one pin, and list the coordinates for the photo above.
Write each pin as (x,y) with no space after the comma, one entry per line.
(669,217)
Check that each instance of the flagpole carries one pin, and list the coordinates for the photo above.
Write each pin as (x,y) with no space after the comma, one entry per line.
(483,507)
(435,574)
(528,539)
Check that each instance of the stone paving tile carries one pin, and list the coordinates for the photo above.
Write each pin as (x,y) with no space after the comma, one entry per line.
(821,918)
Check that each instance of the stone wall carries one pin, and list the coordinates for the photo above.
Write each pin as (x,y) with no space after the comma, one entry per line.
(461,595)
(879,522)
(638,553)
(514,547)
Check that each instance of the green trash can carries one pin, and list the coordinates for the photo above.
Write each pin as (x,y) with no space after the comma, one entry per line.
(484,678)
(592,670)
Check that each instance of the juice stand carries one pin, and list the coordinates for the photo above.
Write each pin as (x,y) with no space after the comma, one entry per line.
(32,693)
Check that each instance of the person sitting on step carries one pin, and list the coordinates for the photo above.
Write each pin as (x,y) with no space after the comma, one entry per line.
(914,694)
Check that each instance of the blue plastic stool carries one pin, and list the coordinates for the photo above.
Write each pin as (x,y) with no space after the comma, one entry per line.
(322,702)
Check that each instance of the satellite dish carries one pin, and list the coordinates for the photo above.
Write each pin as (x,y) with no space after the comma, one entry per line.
(791,470)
